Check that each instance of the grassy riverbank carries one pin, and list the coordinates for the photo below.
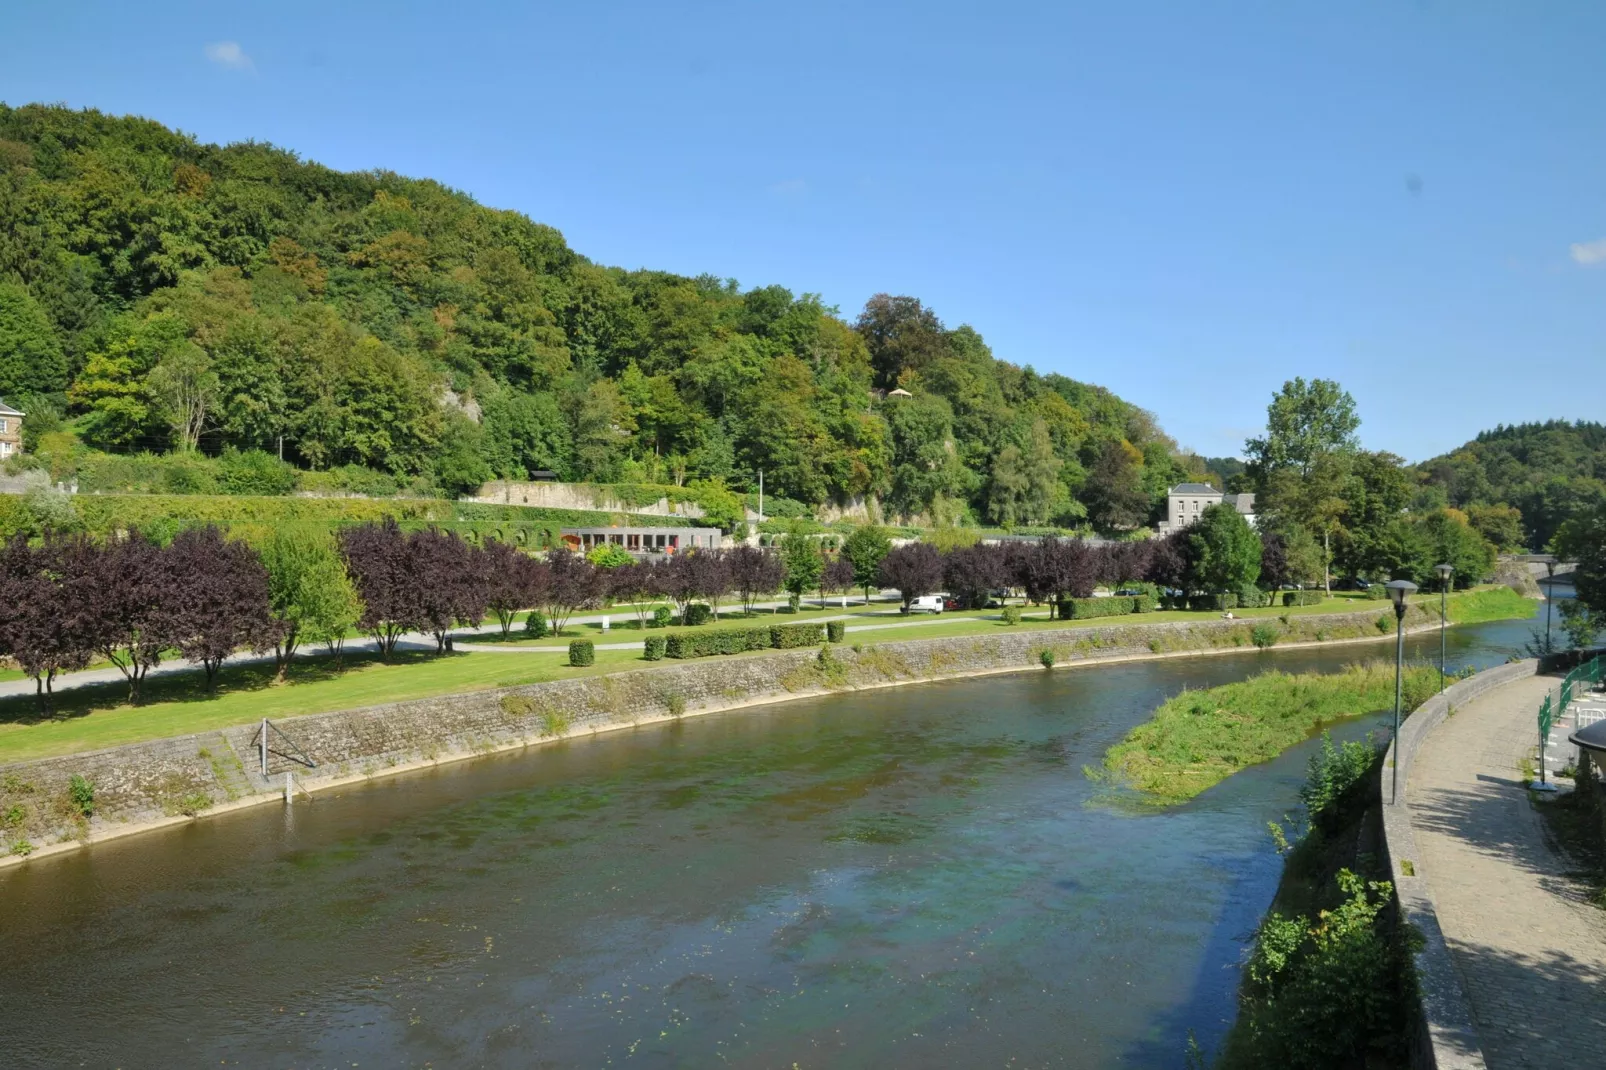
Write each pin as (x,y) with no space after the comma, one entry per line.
(1491,603)
(1199,738)
(96,716)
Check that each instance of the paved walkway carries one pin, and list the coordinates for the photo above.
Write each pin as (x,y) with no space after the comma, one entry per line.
(1530,951)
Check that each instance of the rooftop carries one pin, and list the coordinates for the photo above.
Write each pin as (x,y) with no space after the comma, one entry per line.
(7,410)
(1194,488)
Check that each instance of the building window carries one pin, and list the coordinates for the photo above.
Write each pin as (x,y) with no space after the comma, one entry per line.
(674,542)
(632,541)
(5,425)
(5,449)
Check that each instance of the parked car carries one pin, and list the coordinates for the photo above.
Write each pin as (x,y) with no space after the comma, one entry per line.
(1354,583)
(927,603)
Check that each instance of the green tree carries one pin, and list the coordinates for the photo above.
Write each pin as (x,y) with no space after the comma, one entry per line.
(800,554)
(1226,550)
(185,390)
(31,357)
(1500,524)
(459,462)
(310,596)
(1303,422)
(1114,491)
(1583,540)
(865,547)
(1452,541)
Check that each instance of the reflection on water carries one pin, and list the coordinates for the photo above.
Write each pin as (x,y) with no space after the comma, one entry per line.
(913,877)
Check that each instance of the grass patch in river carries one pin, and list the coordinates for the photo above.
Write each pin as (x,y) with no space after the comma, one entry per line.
(1199,738)
(1493,603)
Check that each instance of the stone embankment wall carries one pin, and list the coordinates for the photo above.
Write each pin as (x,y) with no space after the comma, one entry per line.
(576,496)
(1444,1036)
(146,784)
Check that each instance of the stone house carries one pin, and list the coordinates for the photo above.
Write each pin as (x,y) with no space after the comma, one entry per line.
(1187,500)
(10,430)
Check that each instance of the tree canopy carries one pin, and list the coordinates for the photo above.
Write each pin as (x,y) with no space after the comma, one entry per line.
(167,294)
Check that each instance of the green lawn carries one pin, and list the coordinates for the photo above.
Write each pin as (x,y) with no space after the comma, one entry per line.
(94,717)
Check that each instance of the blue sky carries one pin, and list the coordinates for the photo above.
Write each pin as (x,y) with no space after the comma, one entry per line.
(1187,203)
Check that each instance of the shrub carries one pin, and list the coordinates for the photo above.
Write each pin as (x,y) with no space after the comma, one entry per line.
(1143,603)
(535,625)
(661,617)
(1084,608)
(1302,598)
(82,794)
(1046,656)
(1213,602)
(1011,615)
(255,472)
(22,848)
(1384,623)
(696,613)
(835,630)
(1264,636)
(1251,597)
(582,652)
(679,646)
(675,703)
(790,636)
(1331,775)
(1376,592)
(653,648)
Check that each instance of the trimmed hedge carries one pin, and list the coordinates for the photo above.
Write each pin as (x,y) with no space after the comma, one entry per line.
(696,613)
(1084,608)
(1302,598)
(1143,603)
(535,625)
(1213,602)
(835,630)
(791,636)
(661,616)
(653,648)
(582,652)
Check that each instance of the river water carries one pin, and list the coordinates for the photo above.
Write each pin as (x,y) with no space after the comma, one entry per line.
(914,877)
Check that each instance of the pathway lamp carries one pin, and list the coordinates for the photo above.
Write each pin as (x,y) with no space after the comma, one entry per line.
(1398,591)
(1444,602)
(1550,592)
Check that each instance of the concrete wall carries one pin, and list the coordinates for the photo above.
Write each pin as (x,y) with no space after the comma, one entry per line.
(1445,1038)
(146,783)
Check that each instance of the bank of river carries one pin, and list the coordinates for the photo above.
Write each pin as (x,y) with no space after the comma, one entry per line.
(908,877)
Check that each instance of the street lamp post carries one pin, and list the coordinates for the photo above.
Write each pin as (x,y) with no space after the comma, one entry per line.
(1550,590)
(1398,591)
(1444,602)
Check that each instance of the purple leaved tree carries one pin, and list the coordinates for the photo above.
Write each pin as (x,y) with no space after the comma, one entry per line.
(449,580)
(221,603)
(573,584)
(48,597)
(515,582)
(138,598)
(914,569)
(378,563)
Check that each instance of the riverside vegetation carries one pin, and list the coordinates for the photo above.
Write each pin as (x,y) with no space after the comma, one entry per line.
(1197,739)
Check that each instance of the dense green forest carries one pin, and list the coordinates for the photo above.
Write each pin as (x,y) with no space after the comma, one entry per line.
(158,294)
(1550,472)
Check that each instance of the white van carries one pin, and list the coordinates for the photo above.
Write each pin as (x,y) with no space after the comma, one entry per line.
(927,603)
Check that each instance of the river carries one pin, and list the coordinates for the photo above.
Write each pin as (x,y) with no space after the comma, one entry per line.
(913,877)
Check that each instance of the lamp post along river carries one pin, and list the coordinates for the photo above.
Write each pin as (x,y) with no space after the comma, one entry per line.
(1398,591)
(1444,602)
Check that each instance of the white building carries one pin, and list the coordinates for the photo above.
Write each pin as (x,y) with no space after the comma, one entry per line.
(1187,500)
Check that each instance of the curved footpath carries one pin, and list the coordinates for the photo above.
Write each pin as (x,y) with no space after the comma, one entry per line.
(1513,973)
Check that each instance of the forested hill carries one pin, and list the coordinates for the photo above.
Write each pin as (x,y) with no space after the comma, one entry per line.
(1550,471)
(159,294)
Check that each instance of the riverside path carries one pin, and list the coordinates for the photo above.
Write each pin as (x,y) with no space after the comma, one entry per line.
(1528,946)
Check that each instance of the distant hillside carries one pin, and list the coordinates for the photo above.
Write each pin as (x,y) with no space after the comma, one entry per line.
(1549,471)
(157,293)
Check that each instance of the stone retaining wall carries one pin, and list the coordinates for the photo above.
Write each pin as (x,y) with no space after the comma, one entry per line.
(1445,1038)
(145,783)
